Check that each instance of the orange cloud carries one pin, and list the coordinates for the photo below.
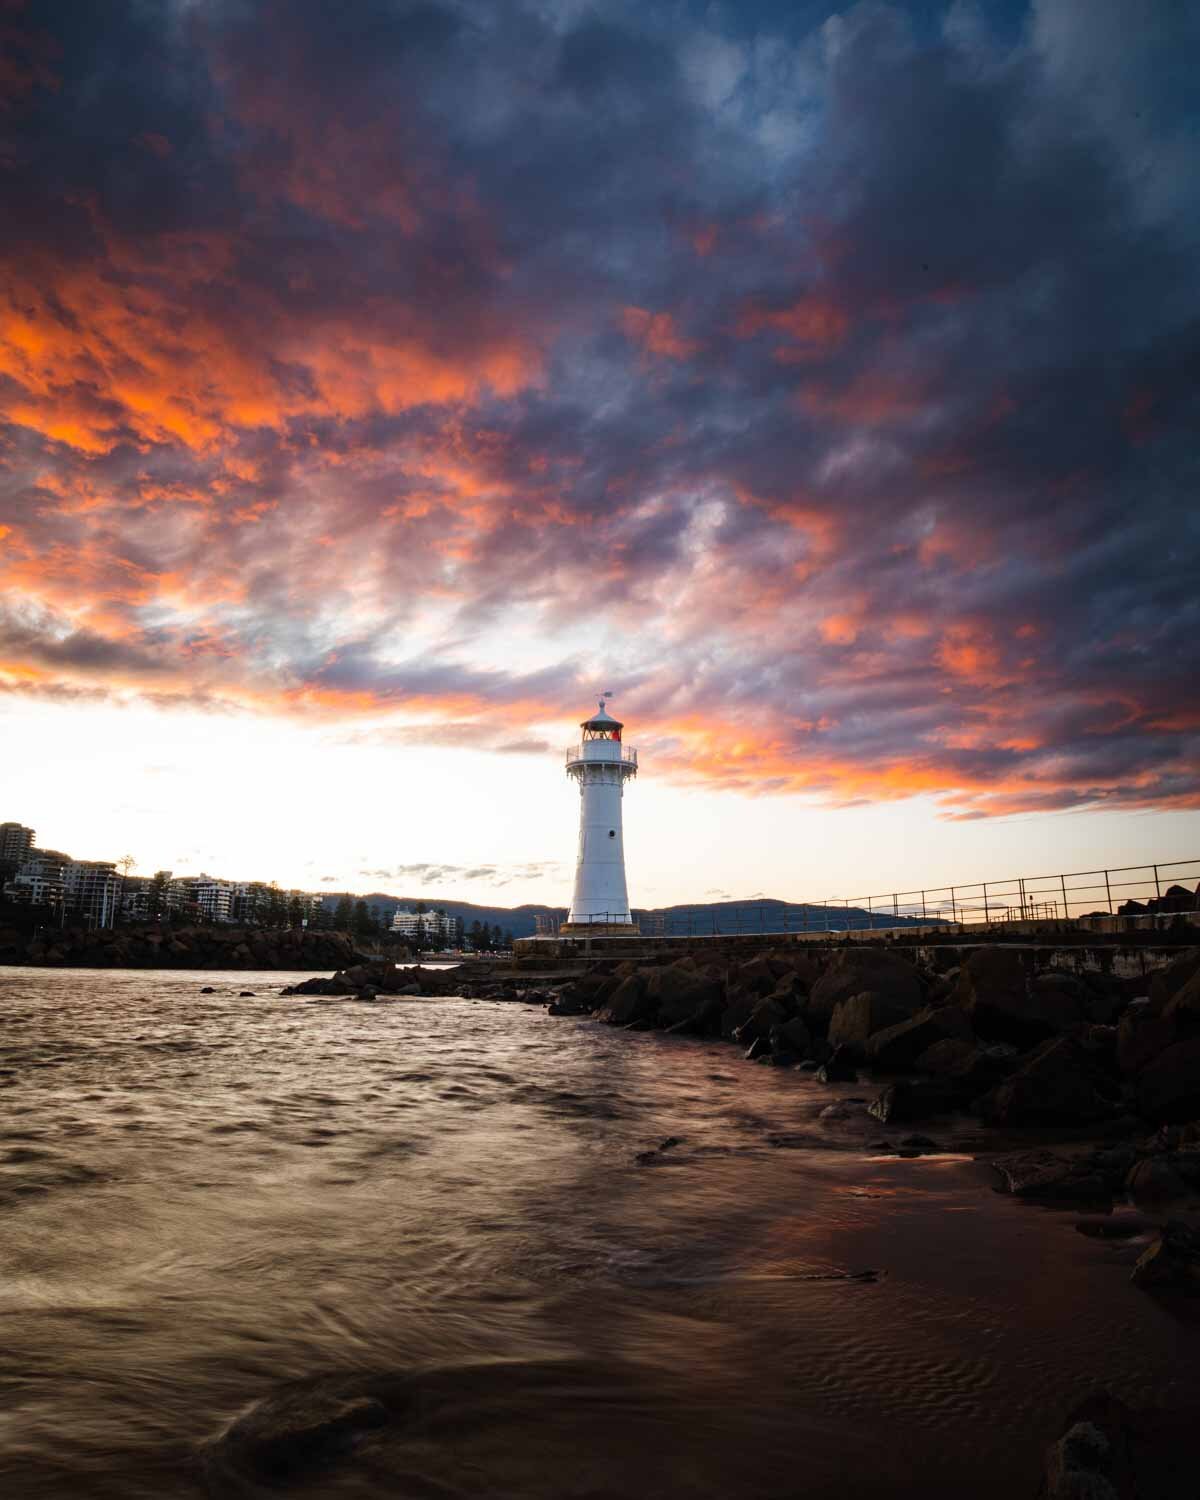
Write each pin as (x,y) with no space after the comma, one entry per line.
(656,333)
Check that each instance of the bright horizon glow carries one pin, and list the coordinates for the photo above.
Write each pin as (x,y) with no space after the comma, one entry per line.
(318,809)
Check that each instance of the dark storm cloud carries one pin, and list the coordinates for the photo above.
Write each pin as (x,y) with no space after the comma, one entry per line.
(842,369)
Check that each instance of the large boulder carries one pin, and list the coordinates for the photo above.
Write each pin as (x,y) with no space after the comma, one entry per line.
(995,992)
(1172,1261)
(860,1016)
(1141,1036)
(853,970)
(898,1047)
(762,1020)
(1063,1083)
(1166,982)
(1168,1088)
(628,1003)
(790,1041)
(682,994)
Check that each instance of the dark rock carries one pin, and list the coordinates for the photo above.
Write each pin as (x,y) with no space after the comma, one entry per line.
(944,1055)
(860,1016)
(683,994)
(208,990)
(790,1041)
(1168,1089)
(1062,1083)
(758,1024)
(1109,1227)
(245,994)
(1155,1180)
(1172,1261)
(1167,982)
(628,1003)
(1052,1175)
(809,1065)
(915,1099)
(898,1047)
(1110,1451)
(853,970)
(1141,1036)
(839,1068)
(1001,1004)
(758,1049)
(289,1437)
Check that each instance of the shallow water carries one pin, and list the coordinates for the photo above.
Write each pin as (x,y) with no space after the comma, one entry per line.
(205,1199)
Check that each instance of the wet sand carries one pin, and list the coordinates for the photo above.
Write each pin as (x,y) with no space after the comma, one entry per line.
(205,1200)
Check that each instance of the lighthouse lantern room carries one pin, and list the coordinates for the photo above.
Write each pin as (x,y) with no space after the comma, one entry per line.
(601,763)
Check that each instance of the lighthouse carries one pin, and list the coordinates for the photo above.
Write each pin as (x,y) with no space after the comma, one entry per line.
(601,764)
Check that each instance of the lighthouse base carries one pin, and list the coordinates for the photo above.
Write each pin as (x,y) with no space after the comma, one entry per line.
(599,929)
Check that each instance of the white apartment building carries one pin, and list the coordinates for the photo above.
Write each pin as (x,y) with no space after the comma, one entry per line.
(437,927)
(92,887)
(40,879)
(213,897)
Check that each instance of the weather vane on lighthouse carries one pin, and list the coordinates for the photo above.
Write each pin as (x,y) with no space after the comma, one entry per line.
(601,765)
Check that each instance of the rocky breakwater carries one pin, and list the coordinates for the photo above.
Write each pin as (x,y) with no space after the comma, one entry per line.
(376,979)
(1105,1070)
(160,947)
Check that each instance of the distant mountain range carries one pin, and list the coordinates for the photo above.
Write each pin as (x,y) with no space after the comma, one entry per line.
(724,917)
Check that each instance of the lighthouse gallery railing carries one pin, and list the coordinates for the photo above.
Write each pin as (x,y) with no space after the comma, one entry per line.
(624,753)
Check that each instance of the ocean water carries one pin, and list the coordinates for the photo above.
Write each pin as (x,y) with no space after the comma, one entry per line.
(459,1212)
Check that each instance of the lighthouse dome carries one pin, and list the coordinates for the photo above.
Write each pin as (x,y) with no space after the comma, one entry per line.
(602,720)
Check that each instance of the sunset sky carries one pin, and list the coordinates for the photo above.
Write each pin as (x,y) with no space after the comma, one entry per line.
(381,381)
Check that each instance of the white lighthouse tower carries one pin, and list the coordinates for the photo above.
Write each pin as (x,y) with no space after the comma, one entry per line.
(602,765)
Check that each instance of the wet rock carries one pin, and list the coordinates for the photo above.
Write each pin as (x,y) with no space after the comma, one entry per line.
(839,1068)
(1062,1083)
(1078,1465)
(1156,1181)
(1109,1227)
(860,1016)
(294,1435)
(1168,1088)
(758,1024)
(1051,1175)
(918,1143)
(759,1050)
(1110,1451)
(852,971)
(790,1041)
(915,1099)
(1172,1262)
(628,1004)
(245,994)
(208,990)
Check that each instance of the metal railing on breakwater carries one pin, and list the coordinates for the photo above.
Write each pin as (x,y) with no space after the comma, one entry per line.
(1022,898)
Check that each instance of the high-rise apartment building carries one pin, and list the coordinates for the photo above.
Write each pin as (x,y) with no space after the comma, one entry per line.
(15,843)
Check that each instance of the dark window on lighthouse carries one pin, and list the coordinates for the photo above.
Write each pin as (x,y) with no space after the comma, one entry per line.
(612,833)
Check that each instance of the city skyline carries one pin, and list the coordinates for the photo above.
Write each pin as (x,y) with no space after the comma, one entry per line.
(378,383)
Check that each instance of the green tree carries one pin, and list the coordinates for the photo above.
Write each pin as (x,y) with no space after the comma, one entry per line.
(364,922)
(157,897)
(507,943)
(276,907)
(295,912)
(476,937)
(343,916)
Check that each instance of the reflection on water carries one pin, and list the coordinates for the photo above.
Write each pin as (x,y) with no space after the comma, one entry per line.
(456,1226)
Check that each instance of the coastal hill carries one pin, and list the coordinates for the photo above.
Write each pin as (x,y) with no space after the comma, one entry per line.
(684,920)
